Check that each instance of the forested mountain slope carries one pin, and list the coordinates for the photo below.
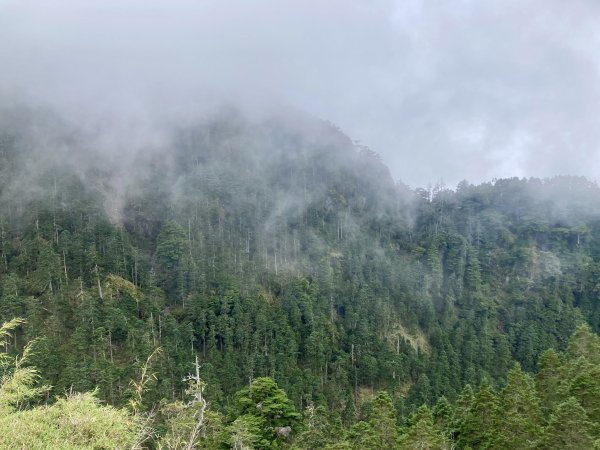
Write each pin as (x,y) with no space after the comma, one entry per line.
(279,248)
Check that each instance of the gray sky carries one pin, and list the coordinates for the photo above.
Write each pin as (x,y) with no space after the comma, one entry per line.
(443,90)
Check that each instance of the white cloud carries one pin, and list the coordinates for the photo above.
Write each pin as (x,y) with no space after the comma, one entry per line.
(443,90)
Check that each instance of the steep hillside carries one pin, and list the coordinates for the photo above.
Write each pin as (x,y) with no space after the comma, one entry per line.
(278,247)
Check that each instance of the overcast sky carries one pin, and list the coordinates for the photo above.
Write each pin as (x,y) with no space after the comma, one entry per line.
(443,90)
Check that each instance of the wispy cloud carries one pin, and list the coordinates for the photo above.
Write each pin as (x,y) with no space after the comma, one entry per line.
(443,90)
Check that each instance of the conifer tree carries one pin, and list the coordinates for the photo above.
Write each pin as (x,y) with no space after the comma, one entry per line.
(478,428)
(550,380)
(568,429)
(584,385)
(520,421)
(267,407)
(584,343)
(383,421)
(423,433)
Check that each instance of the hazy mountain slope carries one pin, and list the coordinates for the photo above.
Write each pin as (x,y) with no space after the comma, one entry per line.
(277,247)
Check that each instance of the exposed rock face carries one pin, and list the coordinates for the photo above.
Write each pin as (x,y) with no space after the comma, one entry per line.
(283,432)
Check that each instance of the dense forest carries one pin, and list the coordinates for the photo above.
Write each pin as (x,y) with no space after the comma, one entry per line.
(264,283)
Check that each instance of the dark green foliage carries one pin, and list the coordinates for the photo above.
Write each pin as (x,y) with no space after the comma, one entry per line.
(383,422)
(568,428)
(320,429)
(550,380)
(478,424)
(280,249)
(262,409)
(520,419)
(423,433)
